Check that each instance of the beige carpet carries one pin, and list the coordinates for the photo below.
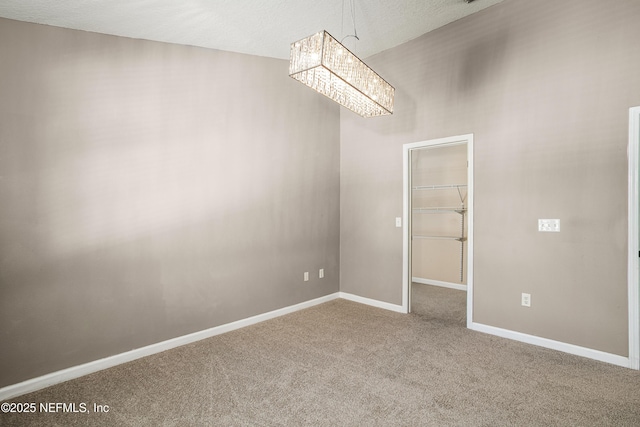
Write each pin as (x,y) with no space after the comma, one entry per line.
(347,364)
(436,303)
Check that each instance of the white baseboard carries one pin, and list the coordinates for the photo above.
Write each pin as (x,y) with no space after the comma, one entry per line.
(439,283)
(53,378)
(57,377)
(589,353)
(372,302)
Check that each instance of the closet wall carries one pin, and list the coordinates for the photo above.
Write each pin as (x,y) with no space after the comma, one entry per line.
(545,87)
(436,256)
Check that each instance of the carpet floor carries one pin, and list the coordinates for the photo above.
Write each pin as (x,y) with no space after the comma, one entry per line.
(346,364)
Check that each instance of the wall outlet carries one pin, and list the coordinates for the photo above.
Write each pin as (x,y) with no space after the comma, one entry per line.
(321,273)
(526,300)
(306,276)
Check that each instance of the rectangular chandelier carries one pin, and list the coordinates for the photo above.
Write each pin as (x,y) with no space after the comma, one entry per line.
(322,63)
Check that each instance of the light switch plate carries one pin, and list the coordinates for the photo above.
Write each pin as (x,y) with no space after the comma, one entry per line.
(549,225)
(398,221)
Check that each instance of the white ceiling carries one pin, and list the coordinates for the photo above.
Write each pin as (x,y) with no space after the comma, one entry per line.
(257,27)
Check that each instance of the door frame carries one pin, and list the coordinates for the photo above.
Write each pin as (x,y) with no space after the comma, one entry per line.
(633,274)
(407,149)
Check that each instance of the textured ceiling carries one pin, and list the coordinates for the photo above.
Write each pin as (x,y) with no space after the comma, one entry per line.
(257,27)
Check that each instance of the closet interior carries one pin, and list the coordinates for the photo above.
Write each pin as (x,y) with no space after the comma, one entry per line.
(439,216)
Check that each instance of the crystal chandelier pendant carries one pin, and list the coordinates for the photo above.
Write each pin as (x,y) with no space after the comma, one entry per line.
(322,63)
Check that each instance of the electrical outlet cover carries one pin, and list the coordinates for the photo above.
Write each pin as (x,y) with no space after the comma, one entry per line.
(549,225)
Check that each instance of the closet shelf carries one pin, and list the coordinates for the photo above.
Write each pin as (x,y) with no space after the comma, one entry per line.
(461,189)
(438,187)
(437,210)
(458,238)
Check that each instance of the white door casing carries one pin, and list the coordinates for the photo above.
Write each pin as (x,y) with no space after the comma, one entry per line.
(633,152)
(406,239)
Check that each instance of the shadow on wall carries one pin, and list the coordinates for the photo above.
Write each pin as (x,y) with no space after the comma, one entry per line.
(481,64)
(405,109)
(437,86)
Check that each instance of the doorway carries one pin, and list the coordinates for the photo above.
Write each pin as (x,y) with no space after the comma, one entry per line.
(438,214)
(633,273)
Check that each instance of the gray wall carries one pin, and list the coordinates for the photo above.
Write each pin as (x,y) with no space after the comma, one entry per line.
(545,88)
(150,190)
